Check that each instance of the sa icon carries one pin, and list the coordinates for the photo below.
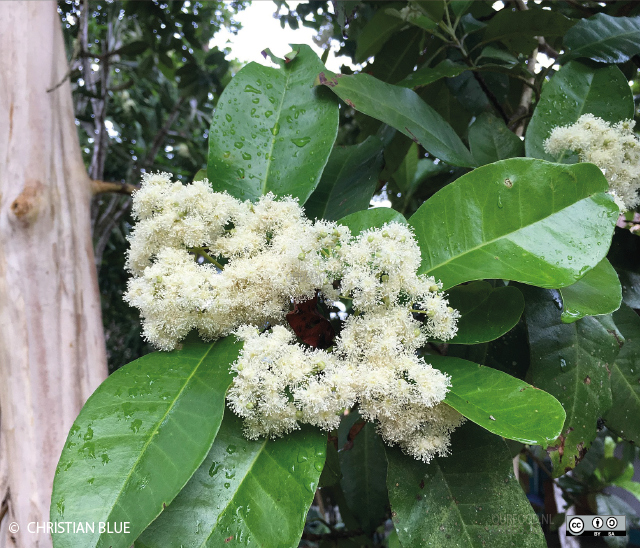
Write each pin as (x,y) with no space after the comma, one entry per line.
(576,525)
(612,522)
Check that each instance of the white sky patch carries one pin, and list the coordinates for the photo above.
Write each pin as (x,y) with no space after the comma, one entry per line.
(260,30)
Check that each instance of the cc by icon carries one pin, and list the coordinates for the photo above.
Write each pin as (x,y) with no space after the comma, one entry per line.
(576,525)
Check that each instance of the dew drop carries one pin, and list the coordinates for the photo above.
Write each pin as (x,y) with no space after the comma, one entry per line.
(301,141)
(250,89)
(275,129)
(246,156)
(228,117)
(238,144)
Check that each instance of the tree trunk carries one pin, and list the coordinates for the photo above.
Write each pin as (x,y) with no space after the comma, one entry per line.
(52,353)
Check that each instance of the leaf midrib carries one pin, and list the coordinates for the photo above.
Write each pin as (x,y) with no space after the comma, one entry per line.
(609,38)
(287,74)
(232,499)
(410,120)
(153,433)
(506,234)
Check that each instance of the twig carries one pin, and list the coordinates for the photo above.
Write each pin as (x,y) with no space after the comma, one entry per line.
(100,187)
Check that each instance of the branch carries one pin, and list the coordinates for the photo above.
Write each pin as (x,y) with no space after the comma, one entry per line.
(101,187)
(544,47)
(162,133)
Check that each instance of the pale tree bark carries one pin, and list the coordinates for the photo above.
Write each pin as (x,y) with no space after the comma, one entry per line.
(52,353)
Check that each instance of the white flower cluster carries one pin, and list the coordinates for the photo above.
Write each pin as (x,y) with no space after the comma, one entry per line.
(274,255)
(261,258)
(613,148)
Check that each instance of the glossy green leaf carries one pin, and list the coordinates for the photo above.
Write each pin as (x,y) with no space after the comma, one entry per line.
(254,493)
(364,471)
(138,439)
(509,353)
(467,499)
(572,362)
(574,90)
(398,57)
(623,416)
(604,38)
(402,109)
(501,403)
(491,140)
(370,218)
(520,219)
(597,292)
(518,29)
(272,131)
(428,75)
(503,57)
(348,181)
(624,255)
(486,313)
(377,31)
(439,97)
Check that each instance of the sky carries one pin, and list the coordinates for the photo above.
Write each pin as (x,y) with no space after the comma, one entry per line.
(261,30)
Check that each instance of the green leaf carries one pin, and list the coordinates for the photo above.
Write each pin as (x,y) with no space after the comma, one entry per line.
(377,31)
(362,220)
(622,418)
(252,492)
(486,313)
(604,38)
(519,219)
(402,109)
(625,258)
(501,403)
(577,89)
(571,362)
(138,439)
(272,132)
(398,57)
(405,175)
(464,499)
(348,181)
(597,292)
(509,353)
(506,58)
(428,75)
(518,29)
(331,472)
(626,482)
(491,140)
(364,470)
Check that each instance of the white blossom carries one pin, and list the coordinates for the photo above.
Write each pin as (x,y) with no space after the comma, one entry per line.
(261,258)
(613,148)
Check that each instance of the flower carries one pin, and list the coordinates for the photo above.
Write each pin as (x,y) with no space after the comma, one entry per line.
(204,260)
(613,148)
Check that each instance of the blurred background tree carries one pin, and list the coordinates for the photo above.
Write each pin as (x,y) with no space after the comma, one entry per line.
(145,82)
